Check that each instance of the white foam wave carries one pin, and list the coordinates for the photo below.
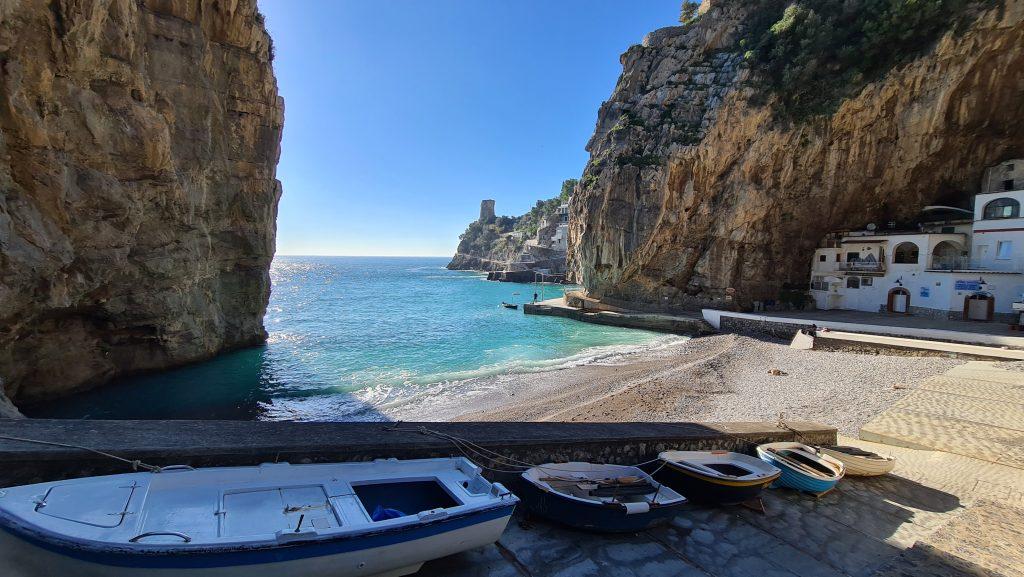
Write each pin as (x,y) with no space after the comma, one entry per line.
(443,393)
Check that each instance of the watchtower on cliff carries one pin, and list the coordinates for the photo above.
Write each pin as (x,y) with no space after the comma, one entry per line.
(486,210)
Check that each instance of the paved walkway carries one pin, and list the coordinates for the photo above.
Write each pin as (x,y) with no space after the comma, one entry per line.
(976,410)
(983,351)
(904,321)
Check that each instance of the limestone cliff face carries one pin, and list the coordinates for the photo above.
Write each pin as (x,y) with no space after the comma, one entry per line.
(138,147)
(695,186)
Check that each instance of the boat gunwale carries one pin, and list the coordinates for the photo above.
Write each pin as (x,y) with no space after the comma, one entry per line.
(770,450)
(124,553)
(829,450)
(659,488)
(681,468)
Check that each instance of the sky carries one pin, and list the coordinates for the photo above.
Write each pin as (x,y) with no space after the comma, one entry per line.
(401,115)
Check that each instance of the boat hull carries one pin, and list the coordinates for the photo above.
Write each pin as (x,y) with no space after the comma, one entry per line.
(381,555)
(705,490)
(591,517)
(794,479)
(858,466)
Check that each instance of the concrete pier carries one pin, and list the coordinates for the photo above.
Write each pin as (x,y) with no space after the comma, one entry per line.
(692,325)
(217,443)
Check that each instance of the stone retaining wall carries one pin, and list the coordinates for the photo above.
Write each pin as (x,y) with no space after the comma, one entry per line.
(760,327)
(218,443)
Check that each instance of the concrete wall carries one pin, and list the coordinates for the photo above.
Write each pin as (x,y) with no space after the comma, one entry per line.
(218,443)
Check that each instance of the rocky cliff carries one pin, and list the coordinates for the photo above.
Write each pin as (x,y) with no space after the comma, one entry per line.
(719,163)
(138,147)
(492,243)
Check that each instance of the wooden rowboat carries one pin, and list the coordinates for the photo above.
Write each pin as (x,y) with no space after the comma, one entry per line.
(603,498)
(384,517)
(803,468)
(715,477)
(860,463)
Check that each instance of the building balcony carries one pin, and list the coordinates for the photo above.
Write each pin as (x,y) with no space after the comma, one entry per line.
(866,266)
(970,264)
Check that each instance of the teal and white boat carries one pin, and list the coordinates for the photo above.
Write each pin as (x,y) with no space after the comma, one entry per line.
(803,468)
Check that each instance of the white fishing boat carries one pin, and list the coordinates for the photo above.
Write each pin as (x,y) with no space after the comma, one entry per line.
(384,517)
(860,463)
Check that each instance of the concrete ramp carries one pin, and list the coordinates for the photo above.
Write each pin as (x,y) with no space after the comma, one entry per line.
(884,341)
(975,410)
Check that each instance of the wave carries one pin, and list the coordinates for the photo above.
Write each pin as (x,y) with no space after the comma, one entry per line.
(447,391)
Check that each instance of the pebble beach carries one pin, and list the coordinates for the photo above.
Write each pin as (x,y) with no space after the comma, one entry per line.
(725,377)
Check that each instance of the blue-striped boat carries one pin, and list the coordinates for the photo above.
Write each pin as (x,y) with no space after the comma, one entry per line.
(803,467)
(384,517)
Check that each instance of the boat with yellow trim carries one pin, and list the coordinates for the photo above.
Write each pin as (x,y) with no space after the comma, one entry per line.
(714,477)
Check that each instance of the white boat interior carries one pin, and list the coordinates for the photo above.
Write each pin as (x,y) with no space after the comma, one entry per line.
(807,460)
(603,484)
(252,506)
(721,464)
(860,462)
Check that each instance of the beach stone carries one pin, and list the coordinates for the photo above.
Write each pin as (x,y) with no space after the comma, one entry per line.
(138,195)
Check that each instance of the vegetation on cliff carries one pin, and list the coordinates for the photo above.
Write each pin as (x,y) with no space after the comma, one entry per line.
(494,240)
(733,143)
(812,54)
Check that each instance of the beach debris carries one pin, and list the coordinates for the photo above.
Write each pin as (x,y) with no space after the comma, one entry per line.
(900,386)
(777,372)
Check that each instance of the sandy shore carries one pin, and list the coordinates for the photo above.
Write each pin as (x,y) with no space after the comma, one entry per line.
(716,378)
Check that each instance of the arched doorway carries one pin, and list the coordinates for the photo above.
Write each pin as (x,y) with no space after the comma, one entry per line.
(946,256)
(979,306)
(899,301)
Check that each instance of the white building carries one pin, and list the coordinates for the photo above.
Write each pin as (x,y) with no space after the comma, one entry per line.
(560,240)
(957,264)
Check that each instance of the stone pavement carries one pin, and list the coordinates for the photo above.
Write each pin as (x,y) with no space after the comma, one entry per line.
(953,506)
(976,410)
(938,515)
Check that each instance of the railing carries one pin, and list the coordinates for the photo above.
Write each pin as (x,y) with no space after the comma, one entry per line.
(964,263)
(862,266)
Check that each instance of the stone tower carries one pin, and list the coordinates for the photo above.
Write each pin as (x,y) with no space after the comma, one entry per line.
(486,210)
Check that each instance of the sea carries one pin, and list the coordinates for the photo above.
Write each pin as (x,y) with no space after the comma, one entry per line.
(365,339)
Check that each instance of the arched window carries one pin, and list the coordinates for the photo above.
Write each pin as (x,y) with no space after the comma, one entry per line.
(905,253)
(947,255)
(1002,208)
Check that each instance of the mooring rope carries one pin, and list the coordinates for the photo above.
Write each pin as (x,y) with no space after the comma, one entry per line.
(463,444)
(475,452)
(135,463)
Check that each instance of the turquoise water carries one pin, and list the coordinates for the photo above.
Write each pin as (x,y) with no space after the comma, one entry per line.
(363,339)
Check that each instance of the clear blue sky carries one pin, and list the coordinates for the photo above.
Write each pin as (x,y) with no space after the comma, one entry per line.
(401,115)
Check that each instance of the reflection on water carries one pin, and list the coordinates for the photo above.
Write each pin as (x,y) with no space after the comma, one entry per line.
(348,335)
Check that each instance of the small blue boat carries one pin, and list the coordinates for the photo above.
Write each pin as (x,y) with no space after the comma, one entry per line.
(601,498)
(803,467)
